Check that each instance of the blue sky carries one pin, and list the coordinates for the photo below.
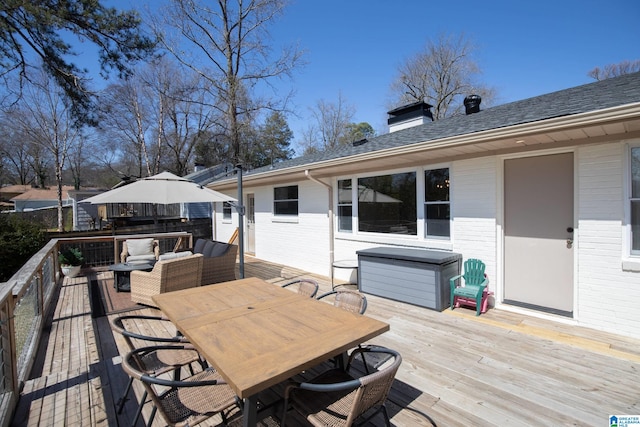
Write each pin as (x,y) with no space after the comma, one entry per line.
(524,48)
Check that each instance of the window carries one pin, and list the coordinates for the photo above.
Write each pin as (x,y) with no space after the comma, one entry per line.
(345,205)
(226,211)
(437,215)
(285,200)
(387,204)
(635,201)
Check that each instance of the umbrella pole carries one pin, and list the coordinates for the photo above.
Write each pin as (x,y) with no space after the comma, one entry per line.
(240,209)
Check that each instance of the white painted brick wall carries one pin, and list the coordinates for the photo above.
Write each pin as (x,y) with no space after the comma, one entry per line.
(302,244)
(224,229)
(474,209)
(608,297)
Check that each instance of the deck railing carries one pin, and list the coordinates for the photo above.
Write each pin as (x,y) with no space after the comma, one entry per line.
(26,299)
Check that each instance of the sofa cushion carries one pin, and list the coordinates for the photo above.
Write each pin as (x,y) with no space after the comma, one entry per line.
(141,259)
(214,249)
(174,255)
(199,246)
(140,247)
(208,247)
(219,249)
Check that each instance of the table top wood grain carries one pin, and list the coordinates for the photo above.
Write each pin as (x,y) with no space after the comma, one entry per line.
(257,334)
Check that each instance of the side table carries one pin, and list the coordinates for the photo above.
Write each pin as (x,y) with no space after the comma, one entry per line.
(122,274)
(345,263)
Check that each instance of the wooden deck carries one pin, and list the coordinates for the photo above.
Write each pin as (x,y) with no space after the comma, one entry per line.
(497,369)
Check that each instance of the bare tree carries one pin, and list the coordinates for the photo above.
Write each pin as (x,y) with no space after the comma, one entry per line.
(233,41)
(331,127)
(125,124)
(49,125)
(14,151)
(158,117)
(182,114)
(615,70)
(441,75)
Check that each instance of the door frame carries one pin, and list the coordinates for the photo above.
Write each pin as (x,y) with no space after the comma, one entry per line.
(250,231)
(499,286)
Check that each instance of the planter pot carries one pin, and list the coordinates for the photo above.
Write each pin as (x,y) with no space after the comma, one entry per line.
(70,270)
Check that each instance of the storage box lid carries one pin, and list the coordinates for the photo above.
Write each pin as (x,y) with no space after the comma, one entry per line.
(411,254)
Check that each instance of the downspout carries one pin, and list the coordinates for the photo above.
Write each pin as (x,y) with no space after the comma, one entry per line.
(330,212)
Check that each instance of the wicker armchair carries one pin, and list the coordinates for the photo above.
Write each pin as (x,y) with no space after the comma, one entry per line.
(140,251)
(352,301)
(156,362)
(166,276)
(306,287)
(184,402)
(338,397)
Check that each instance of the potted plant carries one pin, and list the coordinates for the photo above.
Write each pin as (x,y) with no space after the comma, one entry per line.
(71,260)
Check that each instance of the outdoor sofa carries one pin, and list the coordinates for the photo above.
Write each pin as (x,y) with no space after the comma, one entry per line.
(219,260)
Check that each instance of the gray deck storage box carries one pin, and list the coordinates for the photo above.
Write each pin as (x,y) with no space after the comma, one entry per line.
(415,276)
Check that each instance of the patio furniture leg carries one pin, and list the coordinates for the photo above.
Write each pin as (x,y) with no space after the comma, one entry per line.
(139,411)
(250,411)
(124,396)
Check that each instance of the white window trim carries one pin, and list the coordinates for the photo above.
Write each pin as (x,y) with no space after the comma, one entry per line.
(424,204)
(337,205)
(285,217)
(630,262)
(226,220)
(420,239)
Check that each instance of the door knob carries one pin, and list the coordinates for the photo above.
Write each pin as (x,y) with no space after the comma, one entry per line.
(569,243)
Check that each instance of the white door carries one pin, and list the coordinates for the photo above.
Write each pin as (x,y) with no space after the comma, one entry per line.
(251,222)
(538,233)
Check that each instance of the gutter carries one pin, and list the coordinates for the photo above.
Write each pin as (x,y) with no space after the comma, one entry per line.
(307,173)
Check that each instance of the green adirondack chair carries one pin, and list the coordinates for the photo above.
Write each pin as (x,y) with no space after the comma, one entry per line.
(469,288)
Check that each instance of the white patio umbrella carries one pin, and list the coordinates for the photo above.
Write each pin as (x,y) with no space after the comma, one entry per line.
(163,189)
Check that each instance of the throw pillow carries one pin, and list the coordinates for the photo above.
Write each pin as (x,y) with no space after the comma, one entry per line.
(219,249)
(199,246)
(140,246)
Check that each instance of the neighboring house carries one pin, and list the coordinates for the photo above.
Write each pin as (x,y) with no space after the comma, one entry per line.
(85,215)
(546,191)
(203,176)
(40,198)
(8,192)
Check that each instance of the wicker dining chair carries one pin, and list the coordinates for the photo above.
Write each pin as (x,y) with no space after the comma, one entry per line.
(352,301)
(340,397)
(153,362)
(306,287)
(185,402)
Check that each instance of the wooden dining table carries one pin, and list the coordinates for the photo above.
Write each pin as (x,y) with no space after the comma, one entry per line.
(257,334)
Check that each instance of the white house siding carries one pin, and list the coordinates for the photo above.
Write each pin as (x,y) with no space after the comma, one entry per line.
(474,211)
(607,296)
(224,229)
(301,242)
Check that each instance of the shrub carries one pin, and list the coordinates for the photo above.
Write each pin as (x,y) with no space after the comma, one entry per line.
(20,239)
(71,256)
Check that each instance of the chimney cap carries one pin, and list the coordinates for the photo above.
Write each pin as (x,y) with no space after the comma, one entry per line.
(472,104)
(417,111)
(415,106)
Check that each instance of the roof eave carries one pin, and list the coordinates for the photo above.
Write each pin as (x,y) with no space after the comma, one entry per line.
(556,124)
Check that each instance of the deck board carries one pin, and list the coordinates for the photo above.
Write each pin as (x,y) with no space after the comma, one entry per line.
(501,368)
